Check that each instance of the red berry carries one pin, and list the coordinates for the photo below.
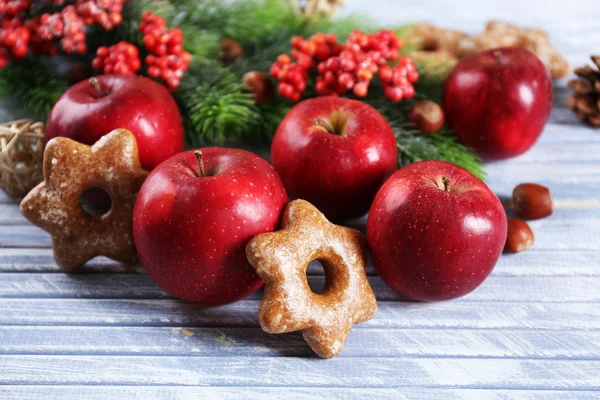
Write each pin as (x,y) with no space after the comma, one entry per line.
(286,90)
(361,89)
(153,72)
(393,93)
(409,92)
(284,59)
(121,58)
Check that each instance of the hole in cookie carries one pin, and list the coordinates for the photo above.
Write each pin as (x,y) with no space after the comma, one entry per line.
(431,45)
(95,201)
(316,281)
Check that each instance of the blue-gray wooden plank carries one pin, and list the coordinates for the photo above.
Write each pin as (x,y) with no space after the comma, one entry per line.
(134,286)
(174,313)
(535,262)
(242,341)
(481,372)
(261,393)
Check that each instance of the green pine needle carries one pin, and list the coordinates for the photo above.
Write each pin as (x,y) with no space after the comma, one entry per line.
(240,20)
(413,146)
(32,85)
(442,145)
(216,105)
(133,9)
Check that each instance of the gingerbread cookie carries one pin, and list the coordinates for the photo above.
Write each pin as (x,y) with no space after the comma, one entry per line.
(504,34)
(436,46)
(288,304)
(54,205)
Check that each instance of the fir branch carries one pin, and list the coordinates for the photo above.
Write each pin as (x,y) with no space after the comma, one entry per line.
(133,9)
(202,44)
(239,20)
(343,26)
(32,85)
(259,55)
(413,146)
(216,105)
(443,145)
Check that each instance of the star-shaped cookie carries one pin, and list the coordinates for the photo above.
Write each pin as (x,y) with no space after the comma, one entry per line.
(288,304)
(70,167)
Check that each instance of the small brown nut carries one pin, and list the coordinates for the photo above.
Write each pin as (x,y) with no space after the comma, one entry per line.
(532,201)
(231,50)
(427,115)
(260,85)
(519,237)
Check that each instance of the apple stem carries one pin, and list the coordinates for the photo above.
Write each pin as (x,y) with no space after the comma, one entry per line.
(325,125)
(497,55)
(198,155)
(446,183)
(96,85)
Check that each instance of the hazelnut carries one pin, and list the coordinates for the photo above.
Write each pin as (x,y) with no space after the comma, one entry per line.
(260,85)
(532,201)
(427,115)
(519,236)
(231,51)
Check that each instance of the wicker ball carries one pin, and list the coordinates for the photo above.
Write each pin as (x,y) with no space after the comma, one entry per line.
(317,8)
(21,156)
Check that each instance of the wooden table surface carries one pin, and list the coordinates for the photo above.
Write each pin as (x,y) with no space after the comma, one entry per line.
(532,330)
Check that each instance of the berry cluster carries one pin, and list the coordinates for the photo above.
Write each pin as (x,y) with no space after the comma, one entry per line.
(348,67)
(292,77)
(38,44)
(12,8)
(107,13)
(66,25)
(397,81)
(121,58)
(14,34)
(18,33)
(14,40)
(168,60)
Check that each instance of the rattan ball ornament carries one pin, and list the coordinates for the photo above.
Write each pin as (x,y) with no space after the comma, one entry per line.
(21,156)
(317,8)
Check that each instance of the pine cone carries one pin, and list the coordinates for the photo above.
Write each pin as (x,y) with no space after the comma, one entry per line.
(585,102)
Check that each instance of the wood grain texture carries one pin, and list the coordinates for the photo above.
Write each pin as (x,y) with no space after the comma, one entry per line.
(532,263)
(174,313)
(103,286)
(293,371)
(242,342)
(261,393)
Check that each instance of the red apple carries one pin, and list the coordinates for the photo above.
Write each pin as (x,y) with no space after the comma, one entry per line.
(92,108)
(195,214)
(335,153)
(435,231)
(498,101)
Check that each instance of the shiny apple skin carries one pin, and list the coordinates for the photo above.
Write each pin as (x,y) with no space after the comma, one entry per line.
(136,103)
(339,174)
(191,231)
(498,101)
(429,244)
